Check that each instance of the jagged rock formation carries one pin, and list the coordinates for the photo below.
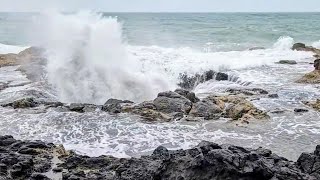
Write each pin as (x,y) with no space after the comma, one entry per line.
(168,106)
(36,160)
(190,82)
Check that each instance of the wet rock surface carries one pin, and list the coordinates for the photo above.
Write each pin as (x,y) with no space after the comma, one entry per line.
(290,62)
(168,106)
(39,160)
(303,47)
(312,77)
(32,53)
(190,82)
(313,104)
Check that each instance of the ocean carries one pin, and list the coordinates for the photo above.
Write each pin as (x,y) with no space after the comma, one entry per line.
(137,55)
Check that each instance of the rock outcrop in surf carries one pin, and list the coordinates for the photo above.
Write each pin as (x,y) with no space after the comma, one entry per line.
(167,106)
(312,77)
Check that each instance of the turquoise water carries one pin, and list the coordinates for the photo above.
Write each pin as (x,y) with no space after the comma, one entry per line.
(227,31)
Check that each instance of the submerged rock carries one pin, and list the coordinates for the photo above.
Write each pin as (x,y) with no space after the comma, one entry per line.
(256,48)
(247,91)
(291,62)
(300,110)
(22,103)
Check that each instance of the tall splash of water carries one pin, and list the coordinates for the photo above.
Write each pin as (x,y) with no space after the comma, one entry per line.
(88,61)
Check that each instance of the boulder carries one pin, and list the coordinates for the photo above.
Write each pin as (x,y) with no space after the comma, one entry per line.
(303,47)
(312,77)
(187,94)
(114,106)
(238,108)
(298,46)
(205,109)
(221,76)
(290,62)
(172,102)
(309,163)
(256,48)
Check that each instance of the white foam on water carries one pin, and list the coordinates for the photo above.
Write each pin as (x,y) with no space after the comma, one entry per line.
(5,49)
(316,44)
(173,61)
(89,62)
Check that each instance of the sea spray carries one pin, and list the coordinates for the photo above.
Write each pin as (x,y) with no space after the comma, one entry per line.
(88,60)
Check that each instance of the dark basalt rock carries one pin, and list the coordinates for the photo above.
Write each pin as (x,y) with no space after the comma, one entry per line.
(187,94)
(303,47)
(221,76)
(114,106)
(297,46)
(309,163)
(273,96)
(256,48)
(205,161)
(190,82)
(206,109)
(247,91)
(300,110)
(171,102)
(290,62)
(316,64)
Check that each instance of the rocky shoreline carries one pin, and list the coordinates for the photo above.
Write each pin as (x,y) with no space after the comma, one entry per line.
(40,160)
(37,160)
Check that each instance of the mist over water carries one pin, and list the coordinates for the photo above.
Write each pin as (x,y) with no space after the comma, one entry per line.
(88,60)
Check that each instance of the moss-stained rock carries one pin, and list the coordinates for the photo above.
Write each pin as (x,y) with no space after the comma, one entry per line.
(312,77)
(238,108)
(314,104)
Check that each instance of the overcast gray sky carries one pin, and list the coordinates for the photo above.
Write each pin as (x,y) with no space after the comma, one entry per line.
(164,5)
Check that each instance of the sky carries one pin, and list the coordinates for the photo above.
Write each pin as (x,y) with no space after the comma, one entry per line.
(163,5)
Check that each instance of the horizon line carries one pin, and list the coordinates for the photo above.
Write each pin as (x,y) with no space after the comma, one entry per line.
(177,12)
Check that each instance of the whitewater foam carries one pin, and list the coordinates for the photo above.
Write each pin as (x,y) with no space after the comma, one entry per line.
(88,61)
(4,49)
